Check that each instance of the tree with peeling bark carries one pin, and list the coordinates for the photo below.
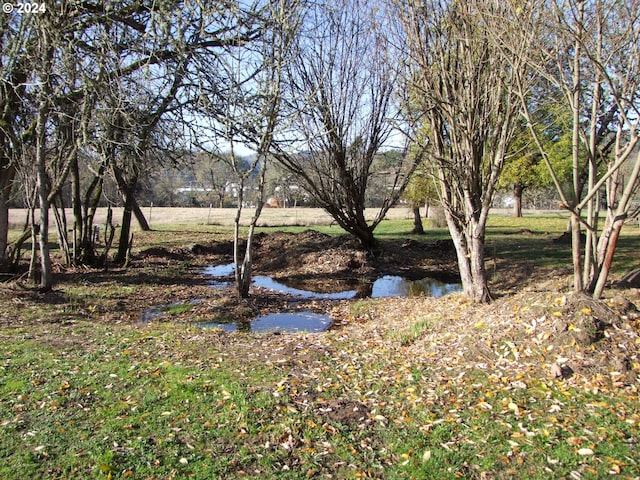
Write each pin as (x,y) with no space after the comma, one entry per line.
(464,92)
(590,52)
(343,86)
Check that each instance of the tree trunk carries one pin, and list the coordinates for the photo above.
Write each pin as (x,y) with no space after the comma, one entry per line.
(46,274)
(125,228)
(7,174)
(518,190)
(464,265)
(142,220)
(478,272)
(418,229)
(242,270)
(245,272)
(576,253)
(367,240)
(35,232)
(76,204)
(61,224)
(357,226)
(127,190)
(603,270)
(576,247)
(92,196)
(613,225)
(470,253)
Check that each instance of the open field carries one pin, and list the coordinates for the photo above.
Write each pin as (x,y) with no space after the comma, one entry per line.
(162,216)
(538,384)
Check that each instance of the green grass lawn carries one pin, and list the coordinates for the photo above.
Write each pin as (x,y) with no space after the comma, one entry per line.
(165,402)
(169,402)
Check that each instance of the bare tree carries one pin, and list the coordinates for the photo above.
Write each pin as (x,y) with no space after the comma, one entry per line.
(55,60)
(464,95)
(56,107)
(103,77)
(342,87)
(142,119)
(590,51)
(241,97)
(106,74)
(141,58)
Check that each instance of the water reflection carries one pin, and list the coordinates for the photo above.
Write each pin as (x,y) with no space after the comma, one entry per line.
(270,283)
(279,322)
(394,286)
(386,286)
(304,321)
(219,270)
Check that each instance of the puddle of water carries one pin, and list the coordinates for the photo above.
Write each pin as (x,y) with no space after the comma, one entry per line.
(386,286)
(220,270)
(274,322)
(394,286)
(280,322)
(270,283)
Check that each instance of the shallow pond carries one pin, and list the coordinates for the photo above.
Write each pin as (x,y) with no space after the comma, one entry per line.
(273,322)
(224,270)
(395,286)
(386,286)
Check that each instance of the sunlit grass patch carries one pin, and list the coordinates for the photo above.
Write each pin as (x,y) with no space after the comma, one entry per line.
(415,330)
(176,308)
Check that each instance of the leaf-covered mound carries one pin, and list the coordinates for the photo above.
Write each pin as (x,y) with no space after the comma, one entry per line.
(531,334)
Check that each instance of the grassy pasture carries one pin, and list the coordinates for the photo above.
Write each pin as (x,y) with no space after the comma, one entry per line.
(174,217)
